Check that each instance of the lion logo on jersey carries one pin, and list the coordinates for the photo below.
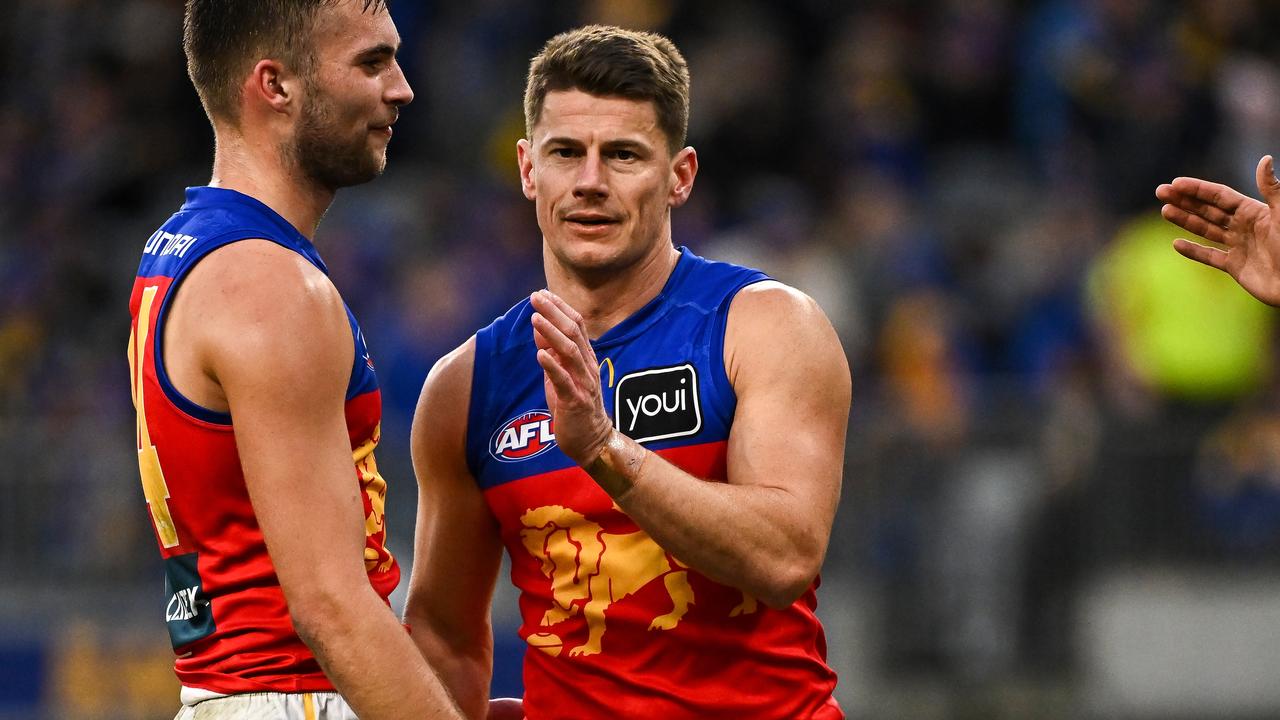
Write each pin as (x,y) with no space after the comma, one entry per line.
(591,569)
(374,491)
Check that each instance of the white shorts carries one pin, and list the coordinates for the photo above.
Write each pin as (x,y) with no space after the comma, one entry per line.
(270,706)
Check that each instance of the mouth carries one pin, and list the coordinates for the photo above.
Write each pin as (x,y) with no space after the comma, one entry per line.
(384,128)
(590,222)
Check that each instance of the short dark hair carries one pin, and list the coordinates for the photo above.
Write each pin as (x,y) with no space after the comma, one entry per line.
(223,39)
(605,60)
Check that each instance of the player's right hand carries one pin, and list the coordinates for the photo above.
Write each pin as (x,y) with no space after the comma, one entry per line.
(571,378)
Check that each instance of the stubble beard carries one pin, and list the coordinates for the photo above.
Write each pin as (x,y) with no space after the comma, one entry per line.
(599,263)
(323,154)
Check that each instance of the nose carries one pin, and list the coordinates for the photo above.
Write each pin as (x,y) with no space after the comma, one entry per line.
(591,177)
(398,91)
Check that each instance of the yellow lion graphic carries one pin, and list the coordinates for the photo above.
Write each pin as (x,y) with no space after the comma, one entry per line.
(572,550)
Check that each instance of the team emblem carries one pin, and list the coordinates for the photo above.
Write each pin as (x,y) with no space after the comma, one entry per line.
(591,570)
(524,436)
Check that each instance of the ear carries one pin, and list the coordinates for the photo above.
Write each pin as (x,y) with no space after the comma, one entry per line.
(271,85)
(684,167)
(524,157)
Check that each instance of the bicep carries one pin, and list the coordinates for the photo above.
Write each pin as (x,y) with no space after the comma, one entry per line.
(792,381)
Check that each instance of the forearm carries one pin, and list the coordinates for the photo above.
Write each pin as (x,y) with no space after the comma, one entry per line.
(765,530)
(750,537)
(465,667)
(371,660)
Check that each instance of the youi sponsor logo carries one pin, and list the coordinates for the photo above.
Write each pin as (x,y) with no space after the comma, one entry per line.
(658,403)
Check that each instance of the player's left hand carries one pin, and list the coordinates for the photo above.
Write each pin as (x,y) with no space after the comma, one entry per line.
(571,377)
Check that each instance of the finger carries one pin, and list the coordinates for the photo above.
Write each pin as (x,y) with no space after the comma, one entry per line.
(1210,214)
(545,302)
(576,317)
(547,345)
(1196,224)
(547,336)
(565,308)
(1212,257)
(1268,185)
(544,345)
(1165,193)
(541,341)
(561,380)
(1216,194)
(566,320)
(557,341)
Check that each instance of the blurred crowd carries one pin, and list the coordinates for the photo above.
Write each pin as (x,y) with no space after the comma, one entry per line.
(1041,385)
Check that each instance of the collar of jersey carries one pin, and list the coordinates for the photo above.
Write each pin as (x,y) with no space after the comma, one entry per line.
(653,311)
(205,196)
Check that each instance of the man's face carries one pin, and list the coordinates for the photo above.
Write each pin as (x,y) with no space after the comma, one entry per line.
(602,180)
(353,95)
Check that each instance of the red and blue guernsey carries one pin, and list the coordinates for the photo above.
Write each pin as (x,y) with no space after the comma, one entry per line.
(225,611)
(616,626)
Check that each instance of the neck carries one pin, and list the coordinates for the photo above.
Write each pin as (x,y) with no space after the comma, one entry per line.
(259,169)
(611,296)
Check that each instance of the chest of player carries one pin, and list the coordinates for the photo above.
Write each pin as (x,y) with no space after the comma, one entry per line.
(665,388)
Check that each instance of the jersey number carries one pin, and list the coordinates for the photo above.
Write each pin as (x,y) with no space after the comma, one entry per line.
(153,485)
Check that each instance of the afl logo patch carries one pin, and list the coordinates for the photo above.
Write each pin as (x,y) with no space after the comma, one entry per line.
(658,404)
(526,435)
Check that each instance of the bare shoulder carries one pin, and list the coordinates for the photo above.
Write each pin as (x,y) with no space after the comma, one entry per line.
(771,326)
(259,274)
(440,421)
(770,302)
(449,382)
(255,301)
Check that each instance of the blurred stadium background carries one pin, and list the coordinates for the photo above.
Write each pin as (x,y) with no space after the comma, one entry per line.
(1062,497)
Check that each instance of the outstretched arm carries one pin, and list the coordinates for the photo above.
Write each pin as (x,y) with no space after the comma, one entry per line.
(1249,229)
(764,531)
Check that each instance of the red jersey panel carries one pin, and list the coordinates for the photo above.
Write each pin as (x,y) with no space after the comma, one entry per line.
(225,611)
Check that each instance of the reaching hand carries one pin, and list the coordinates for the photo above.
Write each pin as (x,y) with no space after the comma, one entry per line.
(1249,229)
(571,377)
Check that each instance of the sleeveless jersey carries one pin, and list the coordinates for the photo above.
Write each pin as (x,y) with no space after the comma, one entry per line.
(225,611)
(616,626)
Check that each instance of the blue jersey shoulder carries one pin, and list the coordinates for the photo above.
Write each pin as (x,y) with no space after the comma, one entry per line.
(212,218)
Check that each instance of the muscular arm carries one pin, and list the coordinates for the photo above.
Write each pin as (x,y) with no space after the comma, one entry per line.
(275,338)
(457,548)
(766,530)
(1247,228)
